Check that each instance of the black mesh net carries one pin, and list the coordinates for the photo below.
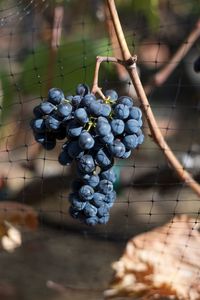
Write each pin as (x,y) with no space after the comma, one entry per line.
(47,44)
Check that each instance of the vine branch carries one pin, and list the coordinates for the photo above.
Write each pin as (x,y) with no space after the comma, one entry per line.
(161,76)
(99,60)
(130,64)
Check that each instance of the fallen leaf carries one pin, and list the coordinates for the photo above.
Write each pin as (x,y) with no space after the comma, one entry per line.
(17,214)
(161,264)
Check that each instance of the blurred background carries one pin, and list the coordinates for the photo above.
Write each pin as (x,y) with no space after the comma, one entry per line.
(48,44)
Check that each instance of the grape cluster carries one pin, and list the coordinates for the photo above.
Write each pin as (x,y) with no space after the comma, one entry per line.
(96,131)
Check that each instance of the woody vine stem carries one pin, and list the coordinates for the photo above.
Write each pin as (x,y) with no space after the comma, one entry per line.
(129,62)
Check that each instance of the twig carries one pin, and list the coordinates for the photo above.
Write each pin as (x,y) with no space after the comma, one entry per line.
(130,65)
(122,73)
(161,76)
(95,87)
(99,60)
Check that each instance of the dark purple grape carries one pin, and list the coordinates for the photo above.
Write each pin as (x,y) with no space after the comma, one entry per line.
(38,125)
(55,96)
(46,108)
(82,89)
(64,158)
(112,95)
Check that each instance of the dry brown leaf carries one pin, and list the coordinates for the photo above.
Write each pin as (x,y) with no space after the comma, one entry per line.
(14,217)
(17,214)
(161,264)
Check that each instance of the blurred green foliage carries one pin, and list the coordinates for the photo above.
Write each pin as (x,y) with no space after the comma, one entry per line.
(148,8)
(7,95)
(75,62)
(75,59)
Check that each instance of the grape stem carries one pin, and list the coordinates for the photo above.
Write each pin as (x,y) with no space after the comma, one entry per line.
(95,88)
(129,62)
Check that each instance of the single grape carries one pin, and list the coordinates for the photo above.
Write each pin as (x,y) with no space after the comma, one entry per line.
(74,150)
(104,219)
(68,98)
(74,129)
(46,140)
(103,210)
(139,132)
(64,109)
(95,108)
(85,140)
(103,159)
(112,95)
(121,111)
(102,126)
(90,210)
(37,112)
(81,115)
(135,113)
(128,101)
(117,126)
(86,164)
(76,100)
(105,186)
(98,199)
(117,148)
(130,141)
(110,198)
(78,205)
(88,99)
(126,154)
(40,137)
(140,122)
(109,175)
(46,108)
(92,221)
(55,96)
(86,192)
(38,125)
(92,180)
(67,120)
(140,139)
(107,139)
(49,143)
(82,89)
(132,126)
(52,123)
(64,158)
(105,110)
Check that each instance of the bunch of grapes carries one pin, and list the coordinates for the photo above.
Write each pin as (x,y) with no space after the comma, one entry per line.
(96,131)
